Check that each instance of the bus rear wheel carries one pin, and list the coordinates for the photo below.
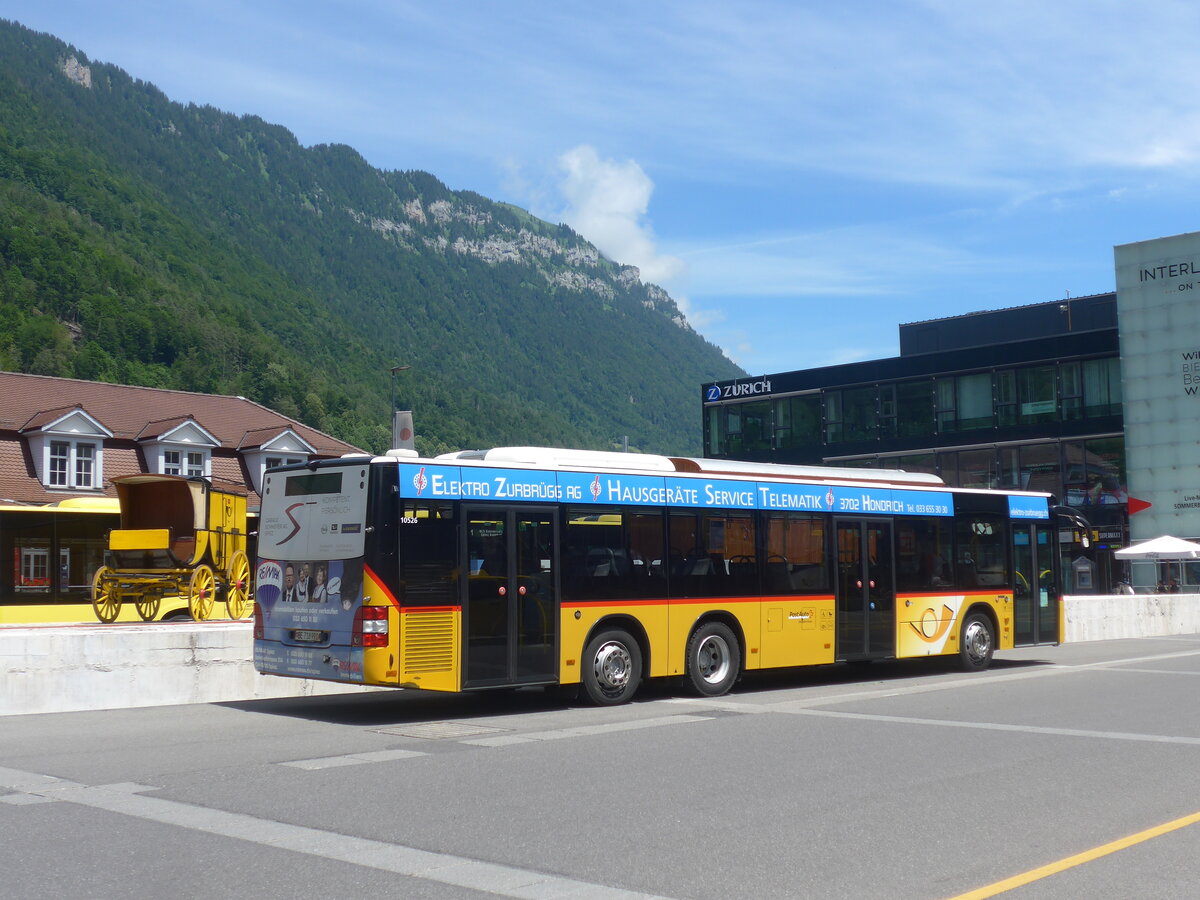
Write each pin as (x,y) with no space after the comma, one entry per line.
(976,642)
(713,659)
(612,668)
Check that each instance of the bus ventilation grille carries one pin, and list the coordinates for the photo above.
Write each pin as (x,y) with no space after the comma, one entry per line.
(428,642)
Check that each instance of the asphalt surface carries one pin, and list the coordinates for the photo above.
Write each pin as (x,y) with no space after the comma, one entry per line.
(1062,772)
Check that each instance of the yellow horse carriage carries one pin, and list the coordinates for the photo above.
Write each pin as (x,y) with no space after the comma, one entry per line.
(179,537)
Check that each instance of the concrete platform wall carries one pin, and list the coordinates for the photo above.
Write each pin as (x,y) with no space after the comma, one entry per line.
(77,667)
(67,668)
(1105,617)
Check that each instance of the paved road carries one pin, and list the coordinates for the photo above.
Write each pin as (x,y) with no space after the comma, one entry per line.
(895,780)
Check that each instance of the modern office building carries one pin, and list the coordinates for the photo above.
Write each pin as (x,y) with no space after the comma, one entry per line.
(1094,399)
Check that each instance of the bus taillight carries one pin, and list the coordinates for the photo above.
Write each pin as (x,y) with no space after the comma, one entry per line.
(371,627)
(258,622)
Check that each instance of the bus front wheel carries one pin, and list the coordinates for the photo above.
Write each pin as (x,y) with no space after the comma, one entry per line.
(612,668)
(976,642)
(713,659)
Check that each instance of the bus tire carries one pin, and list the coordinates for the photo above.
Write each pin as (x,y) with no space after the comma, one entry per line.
(612,668)
(976,642)
(713,659)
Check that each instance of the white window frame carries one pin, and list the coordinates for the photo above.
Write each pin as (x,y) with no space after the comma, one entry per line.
(197,463)
(181,459)
(272,461)
(73,464)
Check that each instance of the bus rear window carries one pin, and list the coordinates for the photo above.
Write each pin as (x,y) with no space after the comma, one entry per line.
(308,485)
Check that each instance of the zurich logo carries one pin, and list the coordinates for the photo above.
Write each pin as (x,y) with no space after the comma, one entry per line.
(712,393)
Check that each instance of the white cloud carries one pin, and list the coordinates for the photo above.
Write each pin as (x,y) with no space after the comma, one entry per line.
(607,203)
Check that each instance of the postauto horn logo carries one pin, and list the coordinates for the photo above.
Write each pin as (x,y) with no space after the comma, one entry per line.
(715,392)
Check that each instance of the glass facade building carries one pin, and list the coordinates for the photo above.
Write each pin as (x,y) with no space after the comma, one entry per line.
(1026,398)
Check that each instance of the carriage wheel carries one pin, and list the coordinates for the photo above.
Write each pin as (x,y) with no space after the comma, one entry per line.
(239,598)
(105,601)
(147,607)
(201,591)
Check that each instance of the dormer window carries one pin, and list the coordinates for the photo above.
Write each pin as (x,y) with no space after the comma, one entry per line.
(190,463)
(67,446)
(179,447)
(72,465)
(278,447)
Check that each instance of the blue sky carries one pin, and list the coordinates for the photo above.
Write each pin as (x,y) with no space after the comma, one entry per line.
(801,176)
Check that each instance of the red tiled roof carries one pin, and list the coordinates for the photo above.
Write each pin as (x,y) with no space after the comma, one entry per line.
(28,402)
(252,440)
(126,410)
(44,417)
(162,426)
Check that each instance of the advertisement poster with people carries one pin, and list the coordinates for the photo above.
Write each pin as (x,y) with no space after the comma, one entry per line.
(308,607)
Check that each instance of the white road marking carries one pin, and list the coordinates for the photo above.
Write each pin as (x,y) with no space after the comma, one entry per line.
(584,730)
(126,800)
(997,726)
(352,759)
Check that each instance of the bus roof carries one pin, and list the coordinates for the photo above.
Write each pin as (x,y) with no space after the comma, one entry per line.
(555,458)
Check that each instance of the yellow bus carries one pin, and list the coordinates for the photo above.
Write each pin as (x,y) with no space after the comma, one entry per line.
(533,566)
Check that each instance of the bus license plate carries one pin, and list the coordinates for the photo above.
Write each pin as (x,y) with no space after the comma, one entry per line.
(308,637)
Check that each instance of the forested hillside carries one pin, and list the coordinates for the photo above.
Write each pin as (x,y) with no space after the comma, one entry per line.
(147,242)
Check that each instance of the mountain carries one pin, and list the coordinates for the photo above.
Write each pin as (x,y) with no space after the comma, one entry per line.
(148,242)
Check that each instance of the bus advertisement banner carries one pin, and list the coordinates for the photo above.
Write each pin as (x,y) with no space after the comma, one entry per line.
(320,517)
(308,609)
(1028,508)
(613,489)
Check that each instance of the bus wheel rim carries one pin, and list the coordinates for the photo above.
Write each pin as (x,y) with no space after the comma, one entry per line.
(612,666)
(712,659)
(977,642)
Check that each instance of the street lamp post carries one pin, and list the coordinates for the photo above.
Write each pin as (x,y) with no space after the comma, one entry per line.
(402,423)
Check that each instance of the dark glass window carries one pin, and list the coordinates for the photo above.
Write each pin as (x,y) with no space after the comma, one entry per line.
(947,464)
(1040,469)
(1006,398)
(1036,395)
(712,554)
(924,554)
(858,414)
(1070,391)
(756,425)
(977,468)
(1102,387)
(912,462)
(798,422)
(795,562)
(1104,465)
(428,556)
(981,551)
(974,401)
(613,553)
(914,409)
(944,404)
(714,431)
(833,417)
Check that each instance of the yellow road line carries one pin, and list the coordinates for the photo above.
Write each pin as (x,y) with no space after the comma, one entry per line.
(1078,859)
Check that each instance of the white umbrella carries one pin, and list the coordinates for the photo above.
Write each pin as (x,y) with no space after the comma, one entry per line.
(1165,547)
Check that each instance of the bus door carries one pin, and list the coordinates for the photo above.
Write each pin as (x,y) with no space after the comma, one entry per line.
(866,596)
(1035,613)
(510,563)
